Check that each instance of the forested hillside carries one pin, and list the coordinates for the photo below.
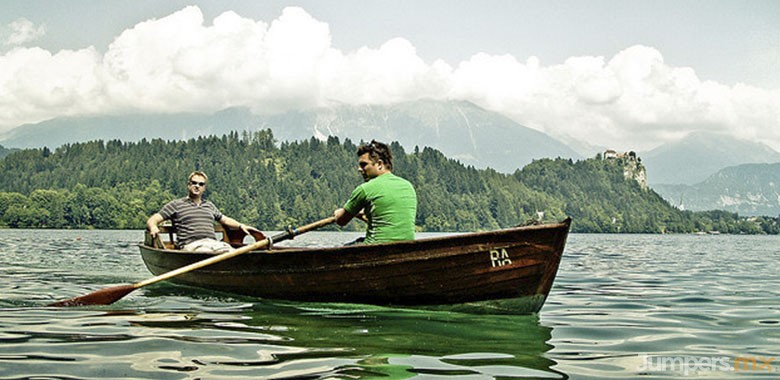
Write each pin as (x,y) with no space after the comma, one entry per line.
(253,178)
(117,185)
(5,151)
(601,199)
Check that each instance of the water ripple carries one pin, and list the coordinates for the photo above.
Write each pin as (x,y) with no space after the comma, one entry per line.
(620,305)
(624,299)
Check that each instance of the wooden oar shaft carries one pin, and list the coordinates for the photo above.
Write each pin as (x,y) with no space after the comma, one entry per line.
(110,295)
(311,226)
(289,234)
(203,263)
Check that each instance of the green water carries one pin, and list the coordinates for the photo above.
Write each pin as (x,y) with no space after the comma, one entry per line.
(623,306)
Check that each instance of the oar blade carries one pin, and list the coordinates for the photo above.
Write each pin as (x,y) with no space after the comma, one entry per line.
(105,296)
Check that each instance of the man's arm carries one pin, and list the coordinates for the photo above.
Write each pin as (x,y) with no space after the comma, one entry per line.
(342,216)
(230,222)
(356,201)
(152,222)
(362,216)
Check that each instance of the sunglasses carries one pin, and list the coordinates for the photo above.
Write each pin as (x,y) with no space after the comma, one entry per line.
(194,183)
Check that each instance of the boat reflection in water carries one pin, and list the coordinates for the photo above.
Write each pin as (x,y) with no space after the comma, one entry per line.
(364,340)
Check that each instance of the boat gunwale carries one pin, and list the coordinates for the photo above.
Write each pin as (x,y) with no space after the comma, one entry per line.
(380,248)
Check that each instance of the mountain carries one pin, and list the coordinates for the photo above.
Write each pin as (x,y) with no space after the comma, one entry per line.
(128,128)
(700,155)
(459,129)
(751,189)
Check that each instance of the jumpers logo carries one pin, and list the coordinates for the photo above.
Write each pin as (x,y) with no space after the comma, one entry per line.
(753,363)
(693,364)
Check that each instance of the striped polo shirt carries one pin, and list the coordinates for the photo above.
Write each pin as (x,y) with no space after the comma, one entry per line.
(191,221)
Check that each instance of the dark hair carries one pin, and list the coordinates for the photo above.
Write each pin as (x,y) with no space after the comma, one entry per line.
(377,151)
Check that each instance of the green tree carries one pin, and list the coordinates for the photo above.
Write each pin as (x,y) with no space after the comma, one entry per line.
(253,177)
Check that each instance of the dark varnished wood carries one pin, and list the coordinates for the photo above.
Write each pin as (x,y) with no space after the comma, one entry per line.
(504,264)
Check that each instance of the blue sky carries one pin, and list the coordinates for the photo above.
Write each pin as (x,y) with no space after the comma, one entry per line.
(623,74)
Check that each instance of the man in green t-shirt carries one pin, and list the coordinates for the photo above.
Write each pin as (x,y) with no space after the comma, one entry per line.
(388,202)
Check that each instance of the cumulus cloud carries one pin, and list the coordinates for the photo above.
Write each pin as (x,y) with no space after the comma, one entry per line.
(20,32)
(633,101)
(181,63)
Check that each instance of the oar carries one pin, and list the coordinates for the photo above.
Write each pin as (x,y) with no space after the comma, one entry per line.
(110,295)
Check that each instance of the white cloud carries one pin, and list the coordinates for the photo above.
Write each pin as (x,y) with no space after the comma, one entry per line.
(633,100)
(20,32)
(392,73)
(37,85)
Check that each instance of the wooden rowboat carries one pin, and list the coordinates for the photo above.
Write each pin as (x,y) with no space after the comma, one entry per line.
(506,271)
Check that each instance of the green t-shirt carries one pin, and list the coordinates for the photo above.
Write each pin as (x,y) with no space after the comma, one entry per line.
(390,205)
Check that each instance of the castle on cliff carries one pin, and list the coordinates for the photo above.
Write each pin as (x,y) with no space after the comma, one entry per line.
(632,165)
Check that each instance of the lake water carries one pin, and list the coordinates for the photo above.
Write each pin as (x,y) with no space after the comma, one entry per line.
(622,307)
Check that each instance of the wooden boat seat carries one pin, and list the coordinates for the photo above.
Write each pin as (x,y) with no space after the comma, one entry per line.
(233,236)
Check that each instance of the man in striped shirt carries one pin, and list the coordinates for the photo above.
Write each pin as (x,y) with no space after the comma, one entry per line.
(193,219)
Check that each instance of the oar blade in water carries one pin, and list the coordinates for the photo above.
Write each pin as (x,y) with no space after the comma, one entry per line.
(105,296)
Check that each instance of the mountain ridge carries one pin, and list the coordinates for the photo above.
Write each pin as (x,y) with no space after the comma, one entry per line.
(748,189)
(699,155)
(460,129)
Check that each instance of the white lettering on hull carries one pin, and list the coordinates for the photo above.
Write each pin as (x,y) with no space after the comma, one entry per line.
(499,257)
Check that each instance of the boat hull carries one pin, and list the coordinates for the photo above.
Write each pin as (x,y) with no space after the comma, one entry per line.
(512,268)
